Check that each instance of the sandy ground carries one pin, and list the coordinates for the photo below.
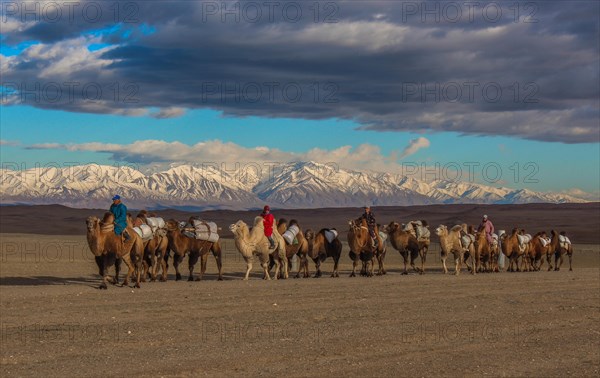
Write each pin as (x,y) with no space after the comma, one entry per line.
(54,322)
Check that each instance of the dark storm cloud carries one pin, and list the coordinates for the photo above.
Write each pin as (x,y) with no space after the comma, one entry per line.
(529,72)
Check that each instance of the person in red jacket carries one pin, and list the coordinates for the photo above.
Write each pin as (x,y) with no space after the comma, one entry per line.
(268,220)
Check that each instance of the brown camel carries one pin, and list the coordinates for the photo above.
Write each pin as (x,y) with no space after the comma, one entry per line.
(255,243)
(511,249)
(361,247)
(450,243)
(182,244)
(483,253)
(108,248)
(155,249)
(299,249)
(538,249)
(419,229)
(404,243)
(319,249)
(560,248)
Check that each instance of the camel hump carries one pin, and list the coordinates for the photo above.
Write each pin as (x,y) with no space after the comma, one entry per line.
(457,228)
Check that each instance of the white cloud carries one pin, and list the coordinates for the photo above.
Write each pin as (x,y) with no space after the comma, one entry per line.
(4,142)
(171,112)
(153,152)
(415,145)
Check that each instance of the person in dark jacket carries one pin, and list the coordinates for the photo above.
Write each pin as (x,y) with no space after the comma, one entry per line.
(268,220)
(371,223)
(119,210)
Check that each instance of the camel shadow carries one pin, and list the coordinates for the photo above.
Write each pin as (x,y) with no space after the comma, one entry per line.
(47,280)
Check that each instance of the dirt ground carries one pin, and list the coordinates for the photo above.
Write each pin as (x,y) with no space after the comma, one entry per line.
(54,322)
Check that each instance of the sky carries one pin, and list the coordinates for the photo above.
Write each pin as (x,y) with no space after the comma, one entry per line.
(506,94)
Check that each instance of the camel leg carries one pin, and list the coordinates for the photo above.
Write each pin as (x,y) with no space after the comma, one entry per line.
(277,268)
(444,257)
(177,259)
(354,265)
(265,266)
(117,269)
(248,267)
(203,263)
(336,261)
(571,262)
(162,258)
(405,258)
(145,269)
(422,253)
(457,264)
(549,259)
(130,269)
(219,260)
(285,269)
(305,271)
(317,268)
(192,260)
(560,261)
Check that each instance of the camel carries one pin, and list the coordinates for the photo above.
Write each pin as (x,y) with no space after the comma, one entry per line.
(539,247)
(155,250)
(468,239)
(255,243)
(381,254)
(450,243)
(559,248)
(182,244)
(511,249)
(300,249)
(524,243)
(108,248)
(483,253)
(404,243)
(419,229)
(361,247)
(319,249)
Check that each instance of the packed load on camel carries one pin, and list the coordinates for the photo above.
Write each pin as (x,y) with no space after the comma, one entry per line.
(290,234)
(200,229)
(330,234)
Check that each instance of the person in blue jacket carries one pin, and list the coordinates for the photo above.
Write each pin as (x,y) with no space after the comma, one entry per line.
(119,210)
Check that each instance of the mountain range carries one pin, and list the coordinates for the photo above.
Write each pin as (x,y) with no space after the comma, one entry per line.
(291,185)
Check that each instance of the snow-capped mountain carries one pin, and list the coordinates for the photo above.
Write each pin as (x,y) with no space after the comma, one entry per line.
(291,185)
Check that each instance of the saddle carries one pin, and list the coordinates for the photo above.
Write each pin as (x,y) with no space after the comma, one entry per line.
(564,241)
(467,240)
(523,241)
(330,234)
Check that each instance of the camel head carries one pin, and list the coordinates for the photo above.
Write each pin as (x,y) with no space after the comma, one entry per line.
(92,223)
(238,227)
(172,225)
(441,230)
(391,228)
(309,235)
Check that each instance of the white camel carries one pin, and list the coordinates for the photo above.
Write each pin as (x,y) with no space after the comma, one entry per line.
(255,243)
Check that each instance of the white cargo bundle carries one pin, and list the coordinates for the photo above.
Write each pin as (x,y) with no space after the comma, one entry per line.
(144,231)
(564,239)
(331,235)
(155,222)
(290,234)
(206,230)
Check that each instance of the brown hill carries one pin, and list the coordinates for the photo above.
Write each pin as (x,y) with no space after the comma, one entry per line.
(580,221)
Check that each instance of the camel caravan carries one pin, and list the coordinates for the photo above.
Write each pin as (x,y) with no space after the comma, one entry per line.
(146,242)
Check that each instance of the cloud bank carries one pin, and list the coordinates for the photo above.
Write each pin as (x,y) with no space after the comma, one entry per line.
(530,71)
